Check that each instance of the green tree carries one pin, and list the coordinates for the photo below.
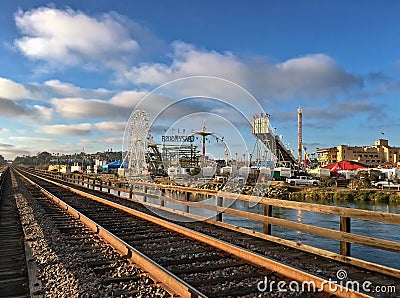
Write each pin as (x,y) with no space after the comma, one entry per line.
(2,160)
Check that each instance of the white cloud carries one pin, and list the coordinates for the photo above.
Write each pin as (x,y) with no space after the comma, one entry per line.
(119,106)
(127,99)
(68,130)
(332,112)
(117,126)
(114,141)
(10,151)
(12,90)
(308,76)
(43,113)
(31,139)
(9,109)
(188,61)
(78,108)
(95,143)
(80,129)
(69,37)
(62,89)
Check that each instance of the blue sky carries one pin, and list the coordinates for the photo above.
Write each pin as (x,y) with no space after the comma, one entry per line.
(71,72)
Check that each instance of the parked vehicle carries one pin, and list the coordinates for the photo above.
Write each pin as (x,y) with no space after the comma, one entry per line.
(385,184)
(303,180)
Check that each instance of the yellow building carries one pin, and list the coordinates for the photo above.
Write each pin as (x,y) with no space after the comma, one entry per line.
(372,156)
(326,156)
(59,168)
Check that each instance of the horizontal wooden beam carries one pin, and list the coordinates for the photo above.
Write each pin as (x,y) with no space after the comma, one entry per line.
(343,236)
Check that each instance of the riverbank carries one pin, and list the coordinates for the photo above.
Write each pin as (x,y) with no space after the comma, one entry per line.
(349,195)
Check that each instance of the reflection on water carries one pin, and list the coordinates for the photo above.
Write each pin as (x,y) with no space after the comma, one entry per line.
(367,228)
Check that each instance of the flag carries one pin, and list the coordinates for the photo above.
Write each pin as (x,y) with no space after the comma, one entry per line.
(382,133)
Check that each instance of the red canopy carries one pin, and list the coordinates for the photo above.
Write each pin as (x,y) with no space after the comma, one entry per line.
(344,165)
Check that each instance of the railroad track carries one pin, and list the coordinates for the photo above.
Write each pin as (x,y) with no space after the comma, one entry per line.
(13,269)
(73,261)
(208,270)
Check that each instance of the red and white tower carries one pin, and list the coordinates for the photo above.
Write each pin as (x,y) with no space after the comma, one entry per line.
(299,134)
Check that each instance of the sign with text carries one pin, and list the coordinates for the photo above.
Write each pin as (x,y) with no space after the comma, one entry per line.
(177,138)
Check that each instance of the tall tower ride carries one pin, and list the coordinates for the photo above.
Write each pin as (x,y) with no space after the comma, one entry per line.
(299,135)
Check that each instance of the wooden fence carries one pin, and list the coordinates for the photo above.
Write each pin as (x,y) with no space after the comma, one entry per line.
(187,199)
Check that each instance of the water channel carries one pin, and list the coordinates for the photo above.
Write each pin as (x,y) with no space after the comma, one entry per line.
(361,227)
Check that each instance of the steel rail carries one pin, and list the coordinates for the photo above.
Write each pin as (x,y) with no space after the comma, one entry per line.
(251,257)
(390,245)
(159,274)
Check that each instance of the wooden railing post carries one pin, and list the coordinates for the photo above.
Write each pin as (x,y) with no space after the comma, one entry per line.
(186,199)
(145,191)
(129,191)
(109,185)
(220,203)
(345,224)
(162,202)
(267,226)
(119,189)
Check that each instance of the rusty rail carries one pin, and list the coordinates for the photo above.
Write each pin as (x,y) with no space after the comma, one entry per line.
(172,282)
(169,281)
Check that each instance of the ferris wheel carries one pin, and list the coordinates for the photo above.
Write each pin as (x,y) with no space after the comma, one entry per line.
(137,141)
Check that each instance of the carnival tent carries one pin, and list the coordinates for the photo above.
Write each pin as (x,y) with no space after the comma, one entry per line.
(113,165)
(345,165)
